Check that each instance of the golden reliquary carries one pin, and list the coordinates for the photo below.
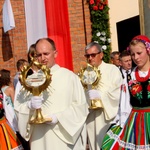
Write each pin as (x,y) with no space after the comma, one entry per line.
(35,84)
(90,77)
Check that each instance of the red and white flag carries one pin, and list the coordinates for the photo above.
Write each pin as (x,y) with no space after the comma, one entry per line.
(49,18)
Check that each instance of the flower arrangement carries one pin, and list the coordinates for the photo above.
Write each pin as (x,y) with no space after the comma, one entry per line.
(100,25)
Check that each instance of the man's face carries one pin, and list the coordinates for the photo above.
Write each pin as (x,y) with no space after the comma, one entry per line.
(115,60)
(126,62)
(94,57)
(45,53)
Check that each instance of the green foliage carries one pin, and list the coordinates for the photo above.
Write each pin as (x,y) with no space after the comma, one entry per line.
(99,11)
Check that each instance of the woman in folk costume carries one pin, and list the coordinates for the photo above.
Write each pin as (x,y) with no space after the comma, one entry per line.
(135,133)
(8,120)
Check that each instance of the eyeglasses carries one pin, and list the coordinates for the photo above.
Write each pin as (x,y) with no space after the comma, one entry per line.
(92,55)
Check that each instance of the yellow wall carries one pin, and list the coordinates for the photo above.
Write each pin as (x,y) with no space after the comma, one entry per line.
(120,10)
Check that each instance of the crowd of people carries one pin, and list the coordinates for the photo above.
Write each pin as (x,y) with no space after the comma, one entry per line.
(119,120)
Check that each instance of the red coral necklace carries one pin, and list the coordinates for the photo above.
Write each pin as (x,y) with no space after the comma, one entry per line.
(141,79)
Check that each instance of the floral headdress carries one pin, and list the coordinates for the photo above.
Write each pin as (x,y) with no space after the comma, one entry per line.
(144,39)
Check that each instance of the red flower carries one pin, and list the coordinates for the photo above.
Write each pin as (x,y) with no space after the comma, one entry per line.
(95,8)
(105,2)
(136,89)
(97,2)
(101,7)
(91,2)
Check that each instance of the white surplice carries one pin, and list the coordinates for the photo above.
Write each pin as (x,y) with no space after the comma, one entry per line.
(99,120)
(66,99)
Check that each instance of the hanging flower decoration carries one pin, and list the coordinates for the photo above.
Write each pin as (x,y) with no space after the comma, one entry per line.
(100,25)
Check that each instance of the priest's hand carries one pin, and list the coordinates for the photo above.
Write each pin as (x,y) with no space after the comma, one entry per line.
(94,94)
(54,119)
(35,102)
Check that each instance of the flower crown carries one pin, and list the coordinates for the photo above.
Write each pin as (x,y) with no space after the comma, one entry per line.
(146,43)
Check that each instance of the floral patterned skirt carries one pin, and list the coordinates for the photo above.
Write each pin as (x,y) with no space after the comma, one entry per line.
(135,135)
(8,138)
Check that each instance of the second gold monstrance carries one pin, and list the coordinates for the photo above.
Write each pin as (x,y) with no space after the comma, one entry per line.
(90,77)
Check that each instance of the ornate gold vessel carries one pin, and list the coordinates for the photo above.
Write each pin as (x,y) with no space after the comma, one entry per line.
(36,84)
(90,77)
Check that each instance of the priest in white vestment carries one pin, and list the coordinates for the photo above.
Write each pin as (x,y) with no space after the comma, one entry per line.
(107,92)
(64,102)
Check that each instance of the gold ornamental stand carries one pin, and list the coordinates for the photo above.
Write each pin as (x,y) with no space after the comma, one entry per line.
(90,76)
(42,84)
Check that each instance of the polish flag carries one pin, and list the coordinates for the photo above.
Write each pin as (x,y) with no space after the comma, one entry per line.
(49,18)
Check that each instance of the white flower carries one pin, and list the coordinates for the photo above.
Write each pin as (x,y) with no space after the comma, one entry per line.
(103,33)
(98,34)
(104,47)
(103,39)
(96,41)
(109,40)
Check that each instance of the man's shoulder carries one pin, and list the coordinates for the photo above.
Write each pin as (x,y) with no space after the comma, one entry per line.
(66,71)
(110,69)
(59,69)
(108,65)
